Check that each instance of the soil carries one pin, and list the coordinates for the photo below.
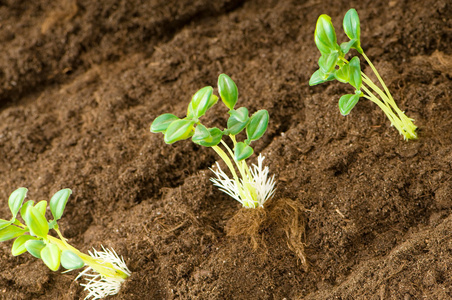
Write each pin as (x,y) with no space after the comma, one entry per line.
(359,213)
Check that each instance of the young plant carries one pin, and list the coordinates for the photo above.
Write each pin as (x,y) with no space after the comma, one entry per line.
(333,65)
(249,186)
(105,272)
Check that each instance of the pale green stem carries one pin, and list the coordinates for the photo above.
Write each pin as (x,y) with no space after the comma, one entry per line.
(228,162)
(407,126)
(383,107)
(104,268)
(243,170)
(246,174)
(403,124)
(379,78)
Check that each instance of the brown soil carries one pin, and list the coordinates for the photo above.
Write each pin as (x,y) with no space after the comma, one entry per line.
(81,82)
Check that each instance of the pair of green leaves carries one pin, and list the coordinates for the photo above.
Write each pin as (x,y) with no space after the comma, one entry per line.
(176,129)
(255,129)
(332,64)
(325,35)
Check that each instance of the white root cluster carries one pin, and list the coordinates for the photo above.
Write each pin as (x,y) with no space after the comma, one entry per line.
(264,186)
(98,285)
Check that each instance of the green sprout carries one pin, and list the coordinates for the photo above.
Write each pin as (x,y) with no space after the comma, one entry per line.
(333,65)
(249,186)
(105,272)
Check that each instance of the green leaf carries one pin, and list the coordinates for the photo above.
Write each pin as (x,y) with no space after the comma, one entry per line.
(58,203)
(24,208)
(257,125)
(34,247)
(15,200)
(50,255)
(41,207)
(228,91)
(70,260)
(320,77)
(10,232)
(343,74)
(347,102)
(36,222)
(352,28)
(213,139)
(4,223)
(179,130)
(213,99)
(200,102)
(19,244)
(162,122)
(242,151)
(325,36)
(238,120)
(345,47)
(355,73)
(201,133)
(328,62)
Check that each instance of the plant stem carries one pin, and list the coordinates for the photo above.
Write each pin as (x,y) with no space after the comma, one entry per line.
(245,187)
(403,124)
(383,107)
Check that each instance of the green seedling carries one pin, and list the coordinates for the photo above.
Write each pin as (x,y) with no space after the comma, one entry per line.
(105,270)
(249,186)
(334,65)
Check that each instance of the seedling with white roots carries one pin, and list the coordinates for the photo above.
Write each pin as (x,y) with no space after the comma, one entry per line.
(105,269)
(250,186)
(333,65)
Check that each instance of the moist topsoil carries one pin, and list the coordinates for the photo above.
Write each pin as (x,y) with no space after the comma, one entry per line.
(358,213)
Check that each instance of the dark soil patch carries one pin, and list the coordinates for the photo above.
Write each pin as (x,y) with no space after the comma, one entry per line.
(81,82)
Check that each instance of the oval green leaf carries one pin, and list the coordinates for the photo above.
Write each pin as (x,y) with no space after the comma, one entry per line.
(343,74)
(50,255)
(4,223)
(325,36)
(15,200)
(201,133)
(352,29)
(328,62)
(242,151)
(200,102)
(58,203)
(10,232)
(179,130)
(162,122)
(257,125)
(24,208)
(19,244)
(320,77)
(70,260)
(347,102)
(238,120)
(355,73)
(213,139)
(34,247)
(36,222)
(212,101)
(41,207)
(228,91)
(345,47)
